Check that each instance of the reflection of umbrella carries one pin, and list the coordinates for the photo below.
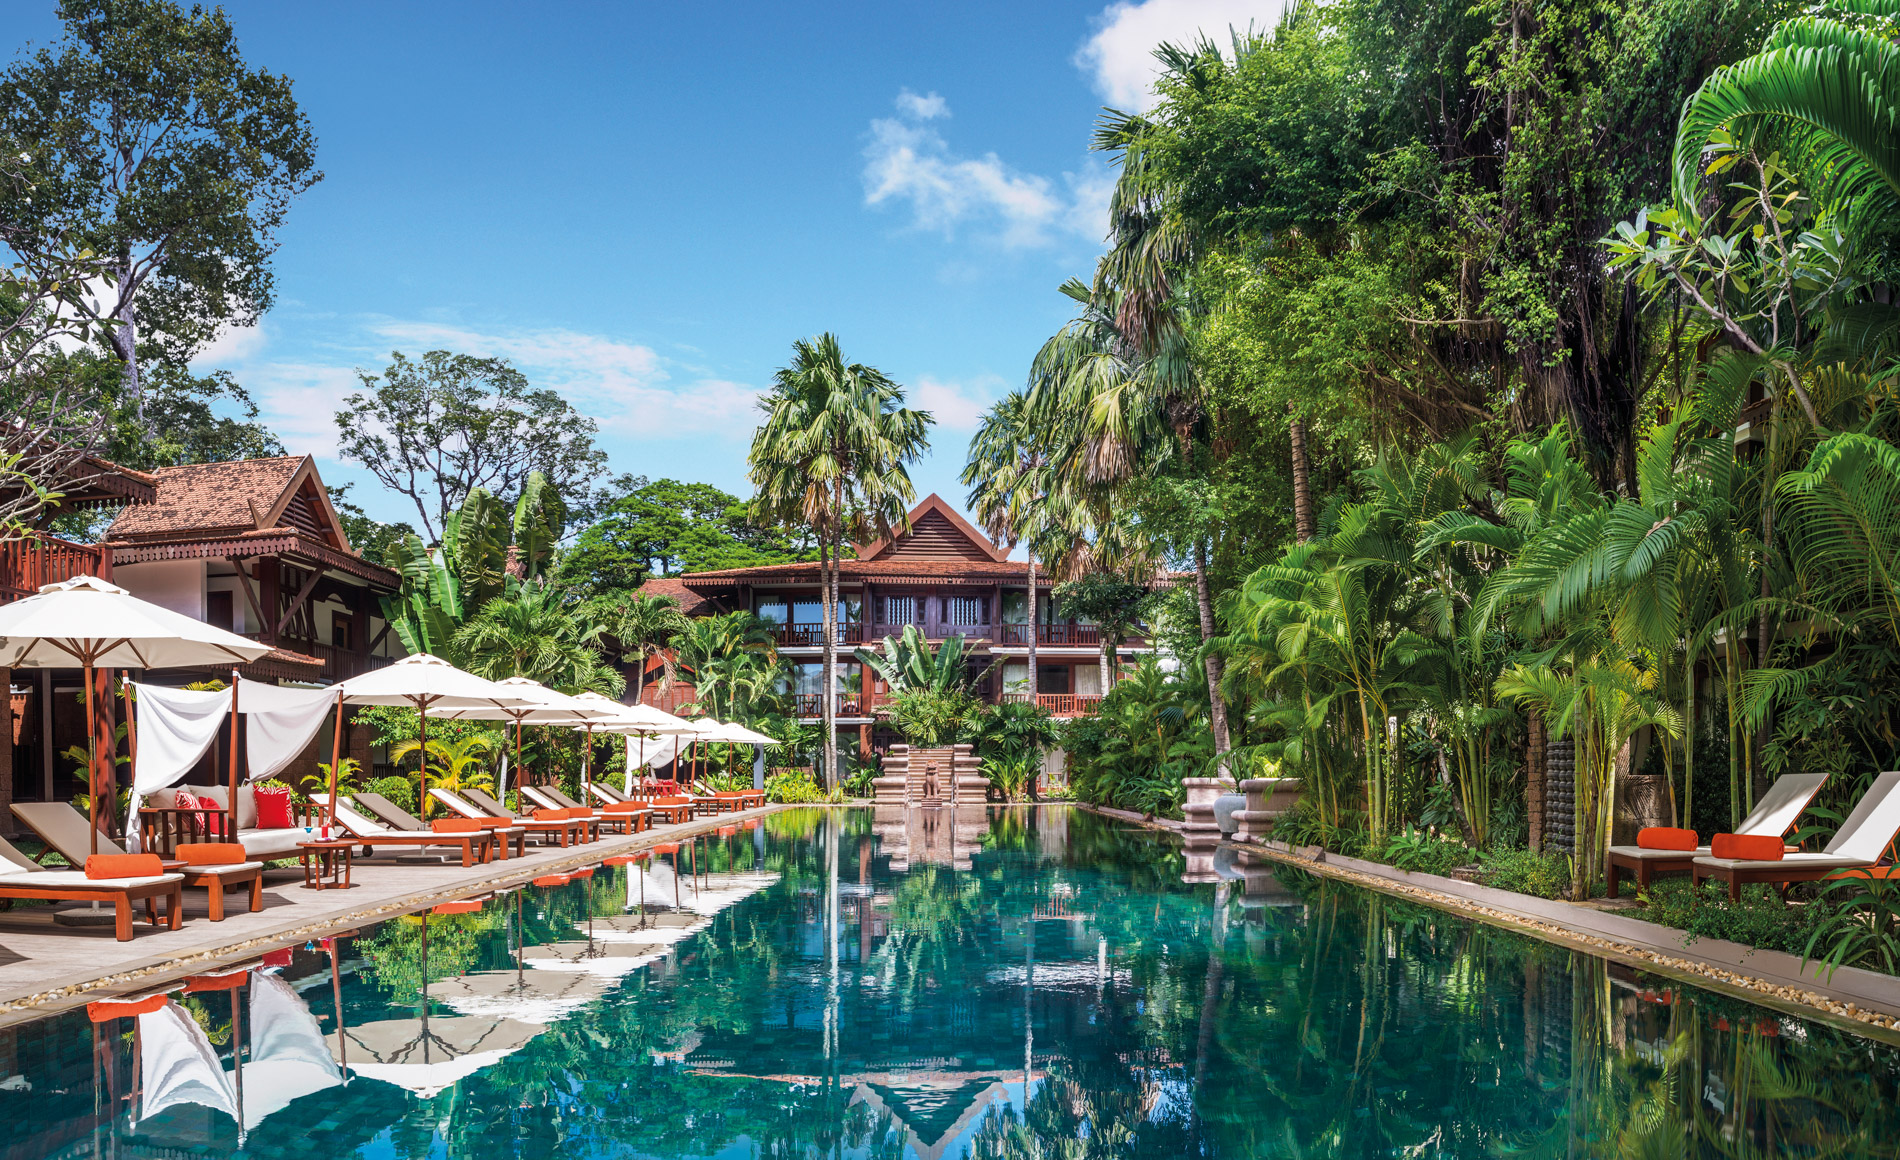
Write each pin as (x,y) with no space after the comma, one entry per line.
(423,682)
(709,895)
(429,1055)
(661,928)
(603,959)
(178,1066)
(289,1058)
(539,999)
(92,623)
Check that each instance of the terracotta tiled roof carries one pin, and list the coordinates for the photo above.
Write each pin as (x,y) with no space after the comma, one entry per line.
(206,499)
(923,571)
(691,603)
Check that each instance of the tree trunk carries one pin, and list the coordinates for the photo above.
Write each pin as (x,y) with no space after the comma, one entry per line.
(639,678)
(1108,650)
(1304,526)
(1217,707)
(125,343)
(1035,628)
(827,562)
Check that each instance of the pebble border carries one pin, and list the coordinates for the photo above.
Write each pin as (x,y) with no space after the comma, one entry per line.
(42,1004)
(1793,1000)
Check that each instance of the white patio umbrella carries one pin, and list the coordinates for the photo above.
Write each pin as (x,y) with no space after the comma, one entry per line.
(647,723)
(540,705)
(93,623)
(614,717)
(422,682)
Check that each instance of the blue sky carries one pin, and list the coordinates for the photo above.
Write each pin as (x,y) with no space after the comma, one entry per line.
(643,205)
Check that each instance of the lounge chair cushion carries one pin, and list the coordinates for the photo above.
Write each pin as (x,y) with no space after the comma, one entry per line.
(123,866)
(1666,838)
(77,880)
(624,808)
(1641,855)
(210,853)
(273,808)
(1747,847)
(1802,861)
(272,843)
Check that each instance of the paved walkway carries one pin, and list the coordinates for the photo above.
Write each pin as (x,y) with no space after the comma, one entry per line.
(45,967)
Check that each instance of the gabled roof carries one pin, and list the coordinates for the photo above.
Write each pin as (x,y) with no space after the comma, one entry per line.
(199,501)
(934,531)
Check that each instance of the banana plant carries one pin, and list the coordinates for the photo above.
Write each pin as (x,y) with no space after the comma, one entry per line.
(907,664)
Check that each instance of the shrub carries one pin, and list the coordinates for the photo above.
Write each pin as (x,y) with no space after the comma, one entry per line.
(1542,875)
(400,791)
(1303,825)
(1424,851)
(1011,775)
(790,786)
(1760,919)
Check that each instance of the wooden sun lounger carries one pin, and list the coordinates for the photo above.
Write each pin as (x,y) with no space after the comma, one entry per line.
(473,803)
(673,809)
(67,832)
(397,818)
(21,877)
(1777,812)
(549,798)
(1863,839)
(479,844)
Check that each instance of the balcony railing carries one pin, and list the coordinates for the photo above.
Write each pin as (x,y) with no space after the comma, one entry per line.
(27,563)
(672,699)
(813,635)
(849,704)
(1060,704)
(338,664)
(1056,634)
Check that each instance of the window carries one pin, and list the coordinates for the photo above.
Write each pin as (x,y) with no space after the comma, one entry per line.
(1051,680)
(772,610)
(900,610)
(1015,608)
(807,611)
(341,625)
(218,610)
(963,611)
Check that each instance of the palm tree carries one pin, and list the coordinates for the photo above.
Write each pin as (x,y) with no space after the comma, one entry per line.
(831,456)
(453,765)
(530,631)
(646,626)
(1012,491)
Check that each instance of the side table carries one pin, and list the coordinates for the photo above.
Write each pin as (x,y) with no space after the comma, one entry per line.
(326,860)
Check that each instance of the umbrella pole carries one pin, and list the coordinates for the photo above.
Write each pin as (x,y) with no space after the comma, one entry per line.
(230,811)
(131,751)
(92,762)
(336,760)
(336,998)
(422,793)
(518,771)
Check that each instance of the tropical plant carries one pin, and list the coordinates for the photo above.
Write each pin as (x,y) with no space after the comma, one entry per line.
(1013,774)
(908,664)
(734,663)
(931,717)
(1013,494)
(533,630)
(457,764)
(645,627)
(831,456)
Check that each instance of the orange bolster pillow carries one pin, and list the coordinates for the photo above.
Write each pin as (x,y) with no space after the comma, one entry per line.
(672,801)
(552,815)
(106,1010)
(1666,838)
(211,853)
(124,866)
(457,825)
(1747,847)
(626,808)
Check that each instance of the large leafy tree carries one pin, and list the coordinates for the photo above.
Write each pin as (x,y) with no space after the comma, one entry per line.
(437,428)
(831,455)
(667,527)
(144,137)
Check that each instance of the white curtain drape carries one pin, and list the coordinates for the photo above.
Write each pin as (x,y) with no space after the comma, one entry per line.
(279,723)
(175,727)
(649,753)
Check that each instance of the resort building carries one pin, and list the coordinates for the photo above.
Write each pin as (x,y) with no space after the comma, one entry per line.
(940,575)
(253,546)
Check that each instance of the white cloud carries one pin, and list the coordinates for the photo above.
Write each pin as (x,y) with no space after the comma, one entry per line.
(1120,55)
(957,406)
(232,344)
(586,367)
(908,161)
(299,401)
(925,108)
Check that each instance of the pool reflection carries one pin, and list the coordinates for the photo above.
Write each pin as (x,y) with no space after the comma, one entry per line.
(978,984)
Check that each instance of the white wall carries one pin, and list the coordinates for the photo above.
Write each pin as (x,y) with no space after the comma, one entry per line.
(175,584)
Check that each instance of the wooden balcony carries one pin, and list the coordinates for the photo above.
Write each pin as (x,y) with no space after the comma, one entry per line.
(1052,634)
(813,635)
(675,698)
(1060,704)
(812,705)
(27,563)
(338,664)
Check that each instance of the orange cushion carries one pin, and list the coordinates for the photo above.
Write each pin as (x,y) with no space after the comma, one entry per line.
(552,880)
(210,853)
(626,808)
(1747,847)
(457,825)
(123,866)
(672,801)
(551,815)
(106,1010)
(463,906)
(1666,838)
(197,984)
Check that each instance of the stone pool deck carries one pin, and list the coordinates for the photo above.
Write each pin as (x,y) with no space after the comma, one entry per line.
(1868,1001)
(46,967)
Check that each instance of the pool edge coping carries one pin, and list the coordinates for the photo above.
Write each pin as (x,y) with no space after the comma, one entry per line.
(1868,1004)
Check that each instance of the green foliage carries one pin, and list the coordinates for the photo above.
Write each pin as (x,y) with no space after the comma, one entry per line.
(401,791)
(1424,851)
(792,786)
(908,664)
(1148,734)
(1015,728)
(931,717)
(1760,919)
(1012,775)
(1542,875)
(667,527)
(1856,923)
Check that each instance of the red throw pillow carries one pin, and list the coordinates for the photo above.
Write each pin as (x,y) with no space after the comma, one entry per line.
(212,816)
(457,826)
(124,866)
(273,807)
(1666,838)
(210,853)
(1747,847)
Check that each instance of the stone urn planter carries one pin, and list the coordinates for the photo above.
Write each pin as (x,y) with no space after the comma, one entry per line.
(1267,798)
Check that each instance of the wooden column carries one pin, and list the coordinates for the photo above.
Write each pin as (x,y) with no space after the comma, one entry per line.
(105,746)
(6,750)
(269,574)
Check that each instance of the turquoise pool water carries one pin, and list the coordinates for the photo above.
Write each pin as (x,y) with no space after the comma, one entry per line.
(1013,983)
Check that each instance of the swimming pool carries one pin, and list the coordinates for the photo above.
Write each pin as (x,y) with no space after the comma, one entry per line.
(1000,983)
